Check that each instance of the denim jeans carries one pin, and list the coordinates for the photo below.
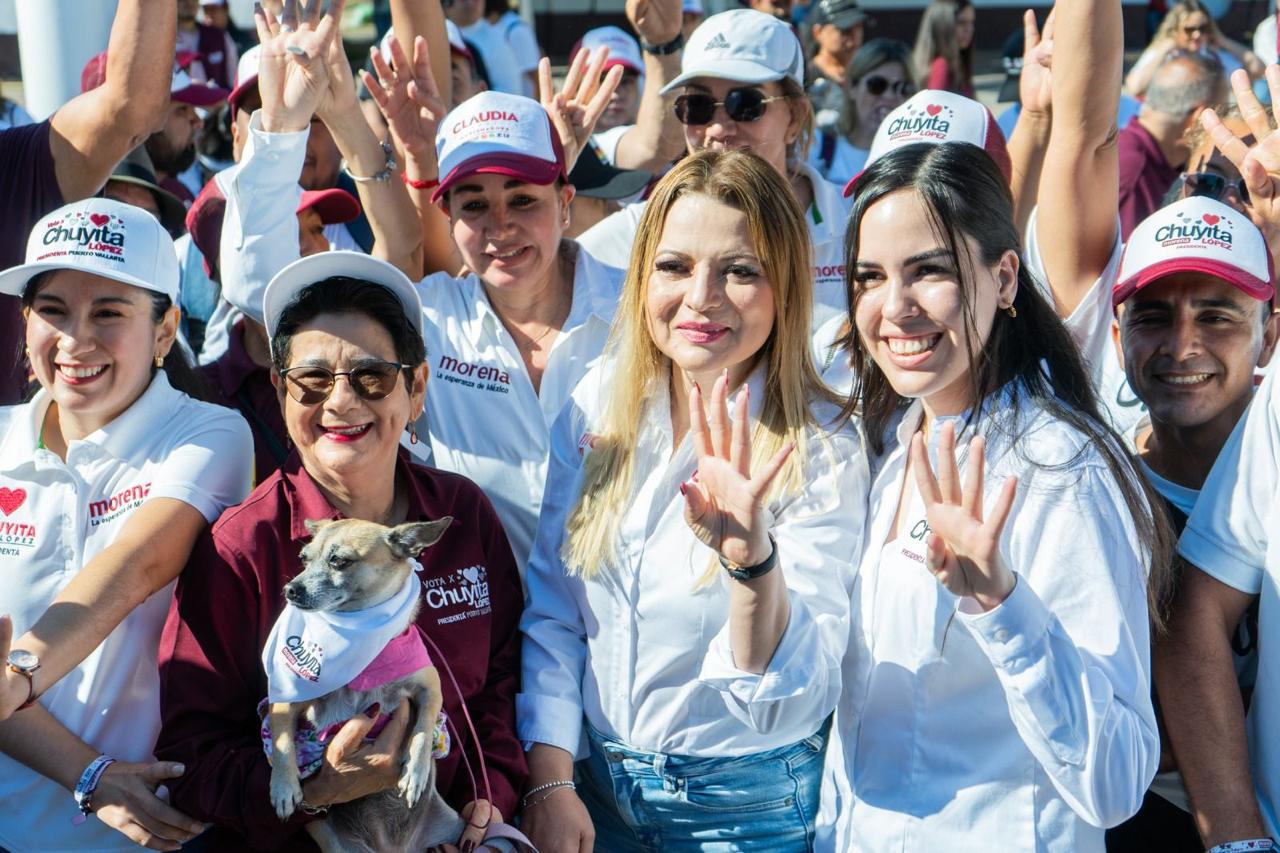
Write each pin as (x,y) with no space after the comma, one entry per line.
(643,801)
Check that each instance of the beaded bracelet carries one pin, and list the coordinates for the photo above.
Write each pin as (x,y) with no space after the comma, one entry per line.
(88,783)
(550,788)
(1253,845)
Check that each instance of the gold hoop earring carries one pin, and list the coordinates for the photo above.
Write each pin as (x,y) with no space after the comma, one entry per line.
(159,361)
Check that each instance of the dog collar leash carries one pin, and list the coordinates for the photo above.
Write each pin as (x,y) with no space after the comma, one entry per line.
(475,736)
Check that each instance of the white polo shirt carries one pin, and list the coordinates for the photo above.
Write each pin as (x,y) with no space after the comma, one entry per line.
(1231,537)
(611,239)
(55,517)
(483,417)
(643,651)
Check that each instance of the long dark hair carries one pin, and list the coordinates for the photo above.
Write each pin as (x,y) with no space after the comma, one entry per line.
(178,367)
(1031,357)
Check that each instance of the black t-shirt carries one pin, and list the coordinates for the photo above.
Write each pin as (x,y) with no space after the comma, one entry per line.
(28,190)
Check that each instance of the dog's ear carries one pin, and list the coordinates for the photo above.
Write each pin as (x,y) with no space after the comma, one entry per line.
(315,525)
(407,541)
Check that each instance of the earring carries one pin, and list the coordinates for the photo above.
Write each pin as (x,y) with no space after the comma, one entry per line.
(413,433)
(1013,312)
(159,360)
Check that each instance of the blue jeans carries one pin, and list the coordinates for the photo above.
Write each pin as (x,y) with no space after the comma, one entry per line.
(643,801)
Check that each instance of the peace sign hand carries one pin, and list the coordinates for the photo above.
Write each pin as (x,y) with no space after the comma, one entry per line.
(1259,165)
(724,503)
(576,108)
(408,97)
(293,73)
(963,549)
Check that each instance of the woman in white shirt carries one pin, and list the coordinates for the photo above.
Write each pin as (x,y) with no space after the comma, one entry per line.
(999,685)
(704,692)
(106,478)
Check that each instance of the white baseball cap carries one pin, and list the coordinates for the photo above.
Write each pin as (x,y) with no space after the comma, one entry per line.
(934,117)
(498,133)
(1196,234)
(623,49)
(285,286)
(104,237)
(741,45)
(246,76)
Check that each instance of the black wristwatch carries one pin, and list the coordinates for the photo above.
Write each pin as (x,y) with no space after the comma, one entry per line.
(750,573)
(663,49)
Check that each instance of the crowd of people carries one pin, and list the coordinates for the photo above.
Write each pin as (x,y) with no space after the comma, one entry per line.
(817,461)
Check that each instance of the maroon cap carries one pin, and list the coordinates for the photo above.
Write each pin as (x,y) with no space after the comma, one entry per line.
(182,88)
(334,205)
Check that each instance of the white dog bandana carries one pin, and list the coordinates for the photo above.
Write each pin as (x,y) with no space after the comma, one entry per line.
(311,653)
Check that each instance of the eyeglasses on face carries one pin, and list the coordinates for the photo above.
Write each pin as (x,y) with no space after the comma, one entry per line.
(877,86)
(742,105)
(1214,186)
(312,384)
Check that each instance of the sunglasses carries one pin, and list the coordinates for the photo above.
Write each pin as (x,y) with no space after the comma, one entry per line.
(1195,30)
(1210,185)
(310,384)
(877,86)
(740,104)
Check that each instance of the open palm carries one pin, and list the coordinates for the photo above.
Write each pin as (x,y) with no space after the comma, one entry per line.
(408,97)
(293,73)
(576,108)
(1259,164)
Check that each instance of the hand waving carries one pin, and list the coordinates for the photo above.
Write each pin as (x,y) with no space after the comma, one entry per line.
(963,548)
(408,97)
(575,109)
(1035,83)
(1259,165)
(724,503)
(293,74)
(656,21)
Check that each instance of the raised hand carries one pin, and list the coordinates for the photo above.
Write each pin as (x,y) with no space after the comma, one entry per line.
(656,21)
(294,73)
(724,503)
(408,97)
(1035,84)
(963,548)
(1259,164)
(576,108)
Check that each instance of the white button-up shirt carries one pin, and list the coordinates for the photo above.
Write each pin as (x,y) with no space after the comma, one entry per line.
(611,239)
(641,650)
(1028,727)
(483,418)
(55,517)
(1231,536)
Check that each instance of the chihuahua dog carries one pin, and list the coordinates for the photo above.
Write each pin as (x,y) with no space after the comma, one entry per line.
(352,566)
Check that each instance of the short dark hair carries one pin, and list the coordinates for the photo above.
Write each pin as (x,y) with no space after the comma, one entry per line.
(344,295)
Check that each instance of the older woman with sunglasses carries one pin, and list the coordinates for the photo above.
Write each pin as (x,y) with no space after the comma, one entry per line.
(1189,27)
(742,87)
(349,367)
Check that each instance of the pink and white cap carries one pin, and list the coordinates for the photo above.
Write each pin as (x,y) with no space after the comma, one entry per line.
(623,49)
(501,134)
(1196,235)
(182,88)
(246,75)
(934,117)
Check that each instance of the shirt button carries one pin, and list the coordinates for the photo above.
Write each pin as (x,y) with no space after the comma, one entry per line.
(1001,635)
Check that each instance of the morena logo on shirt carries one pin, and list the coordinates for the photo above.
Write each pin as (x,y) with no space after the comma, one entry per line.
(932,122)
(98,234)
(821,271)
(1205,230)
(109,509)
(467,588)
(482,377)
(303,657)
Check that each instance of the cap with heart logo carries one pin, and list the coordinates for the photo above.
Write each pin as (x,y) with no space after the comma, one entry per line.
(742,45)
(1201,235)
(103,237)
(934,117)
(624,50)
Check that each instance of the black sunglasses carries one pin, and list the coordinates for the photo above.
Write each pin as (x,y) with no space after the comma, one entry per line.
(1210,185)
(741,104)
(311,384)
(877,85)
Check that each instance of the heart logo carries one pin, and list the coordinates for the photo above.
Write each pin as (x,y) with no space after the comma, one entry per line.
(471,573)
(99,219)
(1211,219)
(11,499)
(933,109)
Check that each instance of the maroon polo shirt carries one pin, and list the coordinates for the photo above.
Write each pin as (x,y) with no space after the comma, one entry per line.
(28,190)
(228,598)
(1145,176)
(236,382)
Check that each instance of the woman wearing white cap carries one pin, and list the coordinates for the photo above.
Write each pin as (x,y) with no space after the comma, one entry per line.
(106,479)
(742,86)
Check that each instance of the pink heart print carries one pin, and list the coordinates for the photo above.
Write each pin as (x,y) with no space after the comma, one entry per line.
(99,219)
(11,499)
(1211,218)
(933,109)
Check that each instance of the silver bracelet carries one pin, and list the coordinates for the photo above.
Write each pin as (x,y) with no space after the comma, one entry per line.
(381,177)
(550,787)
(1253,845)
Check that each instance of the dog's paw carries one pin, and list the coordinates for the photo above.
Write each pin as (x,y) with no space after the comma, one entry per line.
(417,770)
(286,795)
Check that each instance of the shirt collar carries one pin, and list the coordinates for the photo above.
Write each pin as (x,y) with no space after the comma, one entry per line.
(307,502)
(1002,400)
(657,413)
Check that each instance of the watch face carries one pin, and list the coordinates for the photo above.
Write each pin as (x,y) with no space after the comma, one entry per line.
(23,659)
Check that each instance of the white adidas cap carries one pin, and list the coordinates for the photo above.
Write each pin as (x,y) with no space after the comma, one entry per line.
(103,237)
(285,286)
(1196,235)
(741,45)
(934,117)
(623,49)
(498,133)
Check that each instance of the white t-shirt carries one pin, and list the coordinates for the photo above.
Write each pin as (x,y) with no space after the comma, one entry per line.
(1231,537)
(1264,40)
(56,518)
(606,142)
(483,418)
(610,241)
(846,161)
(509,50)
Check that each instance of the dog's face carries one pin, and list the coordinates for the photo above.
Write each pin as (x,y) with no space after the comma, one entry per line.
(353,565)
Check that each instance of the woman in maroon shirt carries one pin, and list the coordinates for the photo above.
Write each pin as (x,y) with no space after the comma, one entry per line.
(328,314)
(944,46)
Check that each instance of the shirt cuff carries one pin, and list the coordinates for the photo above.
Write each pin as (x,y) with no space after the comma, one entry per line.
(790,672)
(277,158)
(1012,632)
(550,720)
(1218,562)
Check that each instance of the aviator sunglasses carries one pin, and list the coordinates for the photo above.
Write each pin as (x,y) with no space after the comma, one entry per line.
(1210,185)
(310,384)
(741,104)
(877,85)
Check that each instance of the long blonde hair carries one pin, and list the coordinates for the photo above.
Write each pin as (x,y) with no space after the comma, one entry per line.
(1178,13)
(780,237)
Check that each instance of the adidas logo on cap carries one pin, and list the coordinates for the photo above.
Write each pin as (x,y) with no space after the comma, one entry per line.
(718,42)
